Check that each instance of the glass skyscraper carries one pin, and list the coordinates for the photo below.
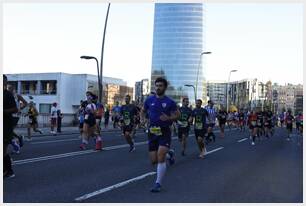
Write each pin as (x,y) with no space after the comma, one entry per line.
(177,45)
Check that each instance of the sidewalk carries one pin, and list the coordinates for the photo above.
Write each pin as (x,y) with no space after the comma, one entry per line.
(65,130)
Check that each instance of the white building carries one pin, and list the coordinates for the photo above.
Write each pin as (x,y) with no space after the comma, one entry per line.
(65,89)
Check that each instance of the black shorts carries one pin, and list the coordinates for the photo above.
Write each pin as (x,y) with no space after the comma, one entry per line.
(298,125)
(81,125)
(183,131)
(211,125)
(268,125)
(127,128)
(222,122)
(289,127)
(159,140)
(33,121)
(252,126)
(91,121)
(199,133)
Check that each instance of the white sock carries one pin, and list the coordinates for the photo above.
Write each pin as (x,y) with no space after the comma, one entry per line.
(161,171)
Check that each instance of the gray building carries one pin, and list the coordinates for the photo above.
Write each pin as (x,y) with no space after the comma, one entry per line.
(177,45)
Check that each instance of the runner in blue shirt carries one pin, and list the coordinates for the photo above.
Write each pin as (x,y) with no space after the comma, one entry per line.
(116,115)
(162,111)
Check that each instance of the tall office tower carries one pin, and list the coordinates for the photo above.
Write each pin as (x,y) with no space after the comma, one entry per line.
(177,45)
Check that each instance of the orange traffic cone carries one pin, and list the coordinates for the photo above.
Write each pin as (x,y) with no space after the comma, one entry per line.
(99,143)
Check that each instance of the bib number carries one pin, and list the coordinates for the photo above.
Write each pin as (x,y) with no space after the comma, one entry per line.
(127,121)
(199,125)
(253,123)
(183,124)
(156,131)
(86,116)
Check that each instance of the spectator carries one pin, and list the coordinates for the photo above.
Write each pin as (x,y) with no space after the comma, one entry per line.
(9,108)
(53,117)
(59,121)
(106,118)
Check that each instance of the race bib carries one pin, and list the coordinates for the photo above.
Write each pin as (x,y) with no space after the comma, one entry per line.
(183,123)
(289,121)
(127,121)
(156,131)
(199,125)
(86,116)
(266,123)
(253,123)
(258,122)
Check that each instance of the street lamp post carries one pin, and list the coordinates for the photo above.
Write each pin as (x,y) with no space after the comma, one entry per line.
(196,87)
(194,90)
(229,76)
(102,52)
(99,79)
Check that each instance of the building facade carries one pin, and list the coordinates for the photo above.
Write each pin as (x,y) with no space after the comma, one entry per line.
(216,91)
(65,89)
(288,97)
(177,45)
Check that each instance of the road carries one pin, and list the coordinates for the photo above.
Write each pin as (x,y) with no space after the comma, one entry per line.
(52,169)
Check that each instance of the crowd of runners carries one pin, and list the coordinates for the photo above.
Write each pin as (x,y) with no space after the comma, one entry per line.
(160,117)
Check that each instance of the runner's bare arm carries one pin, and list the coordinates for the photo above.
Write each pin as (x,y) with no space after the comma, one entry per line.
(24,102)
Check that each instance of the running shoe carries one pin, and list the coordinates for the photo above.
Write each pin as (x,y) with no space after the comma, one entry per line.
(9,175)
(253,143)
(82,146)
(132,149)
(156,188)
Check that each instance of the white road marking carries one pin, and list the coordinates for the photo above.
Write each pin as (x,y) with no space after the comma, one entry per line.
(242,140)
(52,141)
(71,154)
(214,150)
(121,184)
(68,140)
(38,159)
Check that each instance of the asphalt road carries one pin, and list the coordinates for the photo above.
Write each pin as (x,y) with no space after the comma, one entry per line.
(52,169)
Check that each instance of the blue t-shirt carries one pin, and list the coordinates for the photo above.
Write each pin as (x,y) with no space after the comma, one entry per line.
(116,109)
(156,106)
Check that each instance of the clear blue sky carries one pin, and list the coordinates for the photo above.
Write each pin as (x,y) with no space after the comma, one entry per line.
(260,40)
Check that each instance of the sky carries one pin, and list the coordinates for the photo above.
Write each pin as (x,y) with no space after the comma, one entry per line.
(261,41)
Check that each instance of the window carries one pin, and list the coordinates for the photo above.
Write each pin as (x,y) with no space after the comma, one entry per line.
(48,87)
(45,108)
(13,84)
(28,87)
